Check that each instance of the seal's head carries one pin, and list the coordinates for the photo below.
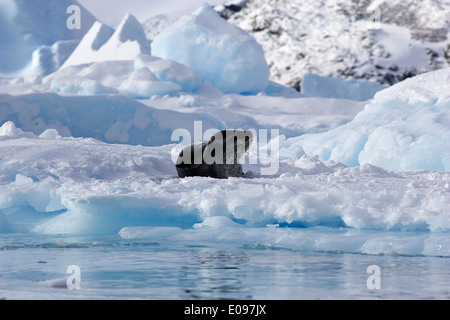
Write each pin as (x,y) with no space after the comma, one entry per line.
(217,158)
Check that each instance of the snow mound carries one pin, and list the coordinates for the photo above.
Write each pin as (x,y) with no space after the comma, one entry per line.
(142,78)
(101,44)
(169,70)
(9,131)
(406,127)
(339,88)
(221,53)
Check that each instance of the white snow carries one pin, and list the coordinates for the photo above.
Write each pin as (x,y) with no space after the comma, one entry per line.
(141,78)
(219,52)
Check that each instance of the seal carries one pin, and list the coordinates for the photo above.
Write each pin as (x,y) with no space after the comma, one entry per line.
(217,158)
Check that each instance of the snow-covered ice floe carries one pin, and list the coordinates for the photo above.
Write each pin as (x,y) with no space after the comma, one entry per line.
(56,185)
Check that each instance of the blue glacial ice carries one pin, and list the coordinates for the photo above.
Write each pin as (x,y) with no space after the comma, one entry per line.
(27,26)
(87,150)
(405,127)
(219,52)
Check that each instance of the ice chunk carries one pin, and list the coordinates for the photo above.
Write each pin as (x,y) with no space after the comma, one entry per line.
(9,131)
(406,127)
(54,283)
(48,59)
(339,88)
(127,42)
(217,222)
(142,84)
(25,192)
(221,53)
(169,70)
(88,48)
(50,134)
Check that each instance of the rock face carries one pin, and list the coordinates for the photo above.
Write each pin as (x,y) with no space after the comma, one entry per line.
(383,41)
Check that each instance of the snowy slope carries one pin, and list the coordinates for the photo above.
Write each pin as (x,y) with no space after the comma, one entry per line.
(334,38)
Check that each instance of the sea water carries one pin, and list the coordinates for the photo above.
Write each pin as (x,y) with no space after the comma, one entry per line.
(111,267)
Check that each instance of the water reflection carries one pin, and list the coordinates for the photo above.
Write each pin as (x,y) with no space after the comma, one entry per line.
(215,275)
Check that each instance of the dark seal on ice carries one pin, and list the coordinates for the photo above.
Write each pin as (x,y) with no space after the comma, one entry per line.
(217,158)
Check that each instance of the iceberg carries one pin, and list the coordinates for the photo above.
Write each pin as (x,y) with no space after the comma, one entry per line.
(88,47)
(169,70)
(101,43)
(143,84)
(119,61)
(219,52)
(142,78)
(405,127)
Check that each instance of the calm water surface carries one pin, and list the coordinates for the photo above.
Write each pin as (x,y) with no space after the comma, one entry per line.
(116,269)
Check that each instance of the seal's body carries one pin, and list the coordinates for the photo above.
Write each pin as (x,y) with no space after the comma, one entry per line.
(217,158)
